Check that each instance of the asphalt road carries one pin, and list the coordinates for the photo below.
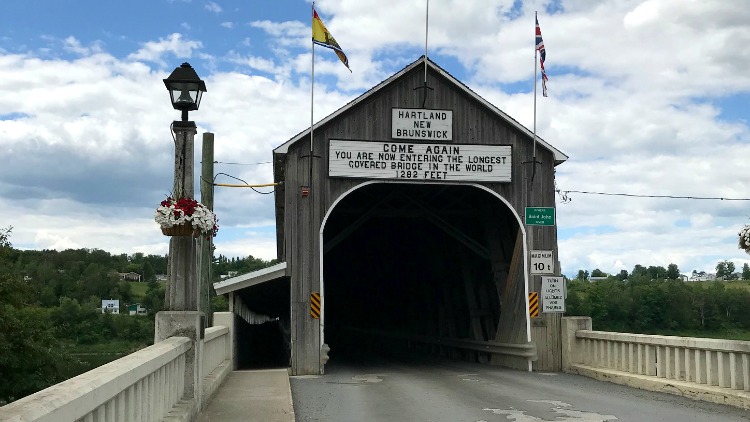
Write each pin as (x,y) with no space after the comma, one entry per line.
(458,391)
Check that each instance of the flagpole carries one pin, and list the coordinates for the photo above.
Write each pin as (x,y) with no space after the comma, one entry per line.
(312,100)
(535,59)
(321,332)
(426,30)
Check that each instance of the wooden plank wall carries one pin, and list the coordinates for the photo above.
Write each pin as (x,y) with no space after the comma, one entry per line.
(298,230)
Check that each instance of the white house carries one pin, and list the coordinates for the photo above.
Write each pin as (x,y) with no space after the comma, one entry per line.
(112,306)
(229,274)
(702,276)
(136,309)
(131,276)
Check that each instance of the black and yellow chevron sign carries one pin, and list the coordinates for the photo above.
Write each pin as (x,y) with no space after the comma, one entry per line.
(315,305)
(534,304)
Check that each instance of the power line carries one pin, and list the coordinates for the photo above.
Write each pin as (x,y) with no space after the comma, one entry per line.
(242,164)
(564,195)
(246,185)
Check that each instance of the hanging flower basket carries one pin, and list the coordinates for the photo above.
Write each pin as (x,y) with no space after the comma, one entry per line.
(743,242)
(185,217)
(184,229)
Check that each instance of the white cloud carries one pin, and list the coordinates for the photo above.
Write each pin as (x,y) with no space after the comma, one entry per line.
(153,51)
(213,7)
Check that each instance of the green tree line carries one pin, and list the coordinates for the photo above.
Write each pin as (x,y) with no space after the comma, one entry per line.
(642,304)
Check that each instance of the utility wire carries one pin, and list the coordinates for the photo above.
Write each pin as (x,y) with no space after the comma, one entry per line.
(242,164)
(564,195)
(246,185)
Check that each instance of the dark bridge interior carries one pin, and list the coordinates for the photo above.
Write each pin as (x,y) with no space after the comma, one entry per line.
(406,265)
(264,345)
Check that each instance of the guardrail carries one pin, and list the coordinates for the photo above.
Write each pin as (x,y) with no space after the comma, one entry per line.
(214,348)
(217,354)
(710,369)
(142,386)
(151,384)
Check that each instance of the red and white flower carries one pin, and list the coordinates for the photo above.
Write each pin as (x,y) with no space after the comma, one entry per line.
(744,239)
(175,212)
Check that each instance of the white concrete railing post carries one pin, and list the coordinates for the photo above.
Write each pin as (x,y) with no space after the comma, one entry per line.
(185,324)
(572,348)
(226,319)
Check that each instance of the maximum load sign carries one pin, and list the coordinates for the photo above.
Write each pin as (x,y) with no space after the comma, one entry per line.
(541,262)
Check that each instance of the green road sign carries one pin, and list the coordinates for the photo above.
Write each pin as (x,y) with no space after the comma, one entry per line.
(540,216)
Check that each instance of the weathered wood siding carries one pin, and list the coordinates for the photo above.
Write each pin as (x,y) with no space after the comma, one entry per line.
(299,218)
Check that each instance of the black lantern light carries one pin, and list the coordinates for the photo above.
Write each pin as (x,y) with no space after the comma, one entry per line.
(185,89)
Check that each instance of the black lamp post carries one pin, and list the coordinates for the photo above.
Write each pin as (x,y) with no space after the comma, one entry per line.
(185,89)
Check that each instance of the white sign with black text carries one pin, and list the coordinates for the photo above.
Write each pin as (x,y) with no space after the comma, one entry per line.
(419,161)
(420,123)
(541,262)
(553,294)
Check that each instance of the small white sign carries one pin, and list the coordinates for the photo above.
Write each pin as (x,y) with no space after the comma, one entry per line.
(420,123)
(553,294)
(542,262)
(419,161)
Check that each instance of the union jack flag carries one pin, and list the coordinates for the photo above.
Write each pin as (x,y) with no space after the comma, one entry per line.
(542,56)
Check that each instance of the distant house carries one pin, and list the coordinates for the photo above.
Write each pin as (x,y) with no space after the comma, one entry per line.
(228,274)
(161,277)
(130,276)
(136,309)
(111,306)
(702,276)
(593,279)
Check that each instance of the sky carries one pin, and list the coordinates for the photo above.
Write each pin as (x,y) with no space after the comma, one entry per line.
(649,98)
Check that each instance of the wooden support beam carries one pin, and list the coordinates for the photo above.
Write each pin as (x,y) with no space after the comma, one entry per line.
(475,322)
(450,229)
(511,317)
(343,234)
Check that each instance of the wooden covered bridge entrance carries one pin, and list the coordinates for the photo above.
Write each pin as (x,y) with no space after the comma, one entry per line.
(400,229)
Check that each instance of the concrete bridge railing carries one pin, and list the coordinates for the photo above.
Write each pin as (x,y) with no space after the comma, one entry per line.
(152,384)
(705,369)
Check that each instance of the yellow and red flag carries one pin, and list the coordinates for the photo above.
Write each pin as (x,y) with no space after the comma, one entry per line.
(322,37)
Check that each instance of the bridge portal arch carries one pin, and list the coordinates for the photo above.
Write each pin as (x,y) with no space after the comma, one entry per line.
(401,260)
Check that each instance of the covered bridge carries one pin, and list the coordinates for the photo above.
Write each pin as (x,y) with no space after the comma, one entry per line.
(400,227)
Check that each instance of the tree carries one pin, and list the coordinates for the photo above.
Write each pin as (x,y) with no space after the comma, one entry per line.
(730,269)
(721,269)
(31,357)
(673,272)
(154,299)
(598,273)
(583,275)
(622,275)
(724,269)
(639,271)
(657,273)
(746,271)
